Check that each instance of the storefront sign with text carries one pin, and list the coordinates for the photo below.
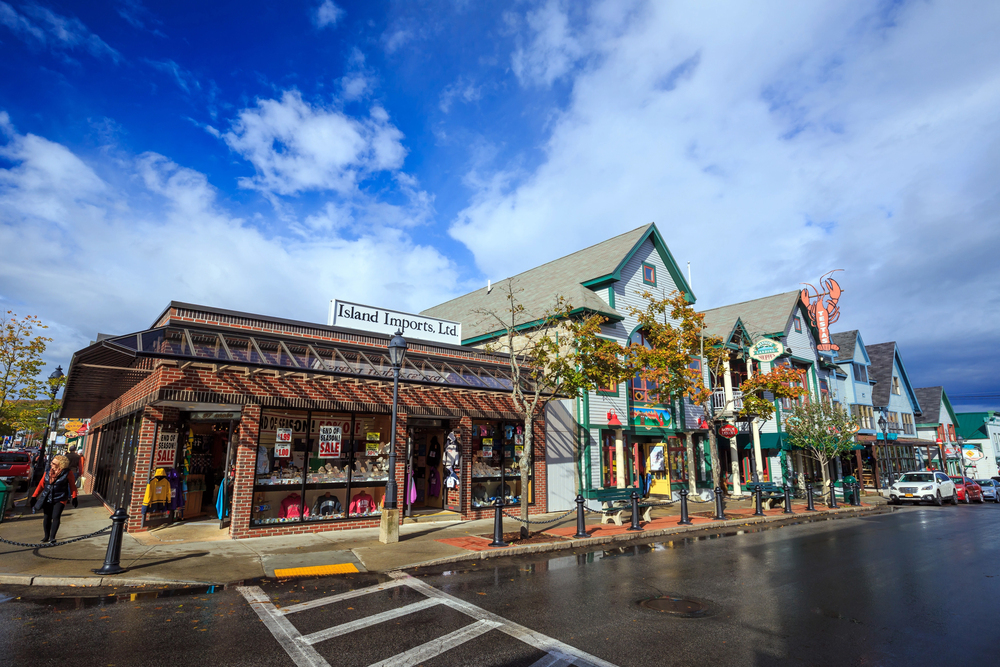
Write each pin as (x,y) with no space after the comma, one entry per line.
(166,451)
(329,442)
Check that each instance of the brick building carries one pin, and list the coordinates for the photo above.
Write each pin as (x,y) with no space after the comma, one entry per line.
(230,408)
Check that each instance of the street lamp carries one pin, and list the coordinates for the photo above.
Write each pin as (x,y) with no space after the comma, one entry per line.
(884,426)
(397,352)
(54,379)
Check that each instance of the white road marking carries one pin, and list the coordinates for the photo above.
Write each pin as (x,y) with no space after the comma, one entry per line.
(312,604)
(436,647)
(526,635)
(368,621)
(554,659)
(303,655)
(300,648)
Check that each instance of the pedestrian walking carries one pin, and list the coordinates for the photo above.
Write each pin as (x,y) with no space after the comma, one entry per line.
(76,465)
(56,489)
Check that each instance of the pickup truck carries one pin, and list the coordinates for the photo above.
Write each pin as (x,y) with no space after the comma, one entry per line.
(15,469)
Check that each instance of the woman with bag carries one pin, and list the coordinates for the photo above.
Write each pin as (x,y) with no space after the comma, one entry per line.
(55,490)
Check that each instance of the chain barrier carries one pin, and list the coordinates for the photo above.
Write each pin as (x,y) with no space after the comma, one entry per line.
(46,545)
(529,522)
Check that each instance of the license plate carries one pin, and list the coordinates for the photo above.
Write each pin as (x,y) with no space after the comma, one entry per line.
(909,495)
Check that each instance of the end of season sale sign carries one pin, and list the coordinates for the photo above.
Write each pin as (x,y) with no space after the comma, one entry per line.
(329,442)
(166,451)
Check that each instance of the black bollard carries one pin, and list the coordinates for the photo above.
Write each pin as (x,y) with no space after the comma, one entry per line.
(810,507)
(498,524)
(581,525)
(635,512)
(758,496)
(856,498)
(114,554)
(833,495)
(788,499)
(720,510)
(685,521)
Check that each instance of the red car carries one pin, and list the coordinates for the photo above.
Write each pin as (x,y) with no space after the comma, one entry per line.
(968,490)
(15,468)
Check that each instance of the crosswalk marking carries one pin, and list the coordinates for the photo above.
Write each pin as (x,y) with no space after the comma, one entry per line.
(368,621)
(312,604)
(300,648)
(438,646)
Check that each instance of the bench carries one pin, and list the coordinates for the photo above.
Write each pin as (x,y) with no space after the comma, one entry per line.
(610,498)
(773,493)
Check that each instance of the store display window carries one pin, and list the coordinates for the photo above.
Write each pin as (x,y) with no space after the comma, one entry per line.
(319,466)
(496,470)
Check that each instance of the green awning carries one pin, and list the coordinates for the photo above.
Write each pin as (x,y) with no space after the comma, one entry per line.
(769,441)
(857,447)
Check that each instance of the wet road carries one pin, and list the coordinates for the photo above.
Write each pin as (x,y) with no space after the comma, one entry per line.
(917,587)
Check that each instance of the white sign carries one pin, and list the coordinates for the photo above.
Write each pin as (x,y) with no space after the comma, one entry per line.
(380,320)
(166,451)
(766,350)
(283,435)
(282,451)
(329,442)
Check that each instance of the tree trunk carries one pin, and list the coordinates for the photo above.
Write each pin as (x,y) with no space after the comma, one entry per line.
(525,470)
(824,465)
(689,444)
(713,451)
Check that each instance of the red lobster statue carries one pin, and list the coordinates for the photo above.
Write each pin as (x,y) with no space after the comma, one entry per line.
(823,312)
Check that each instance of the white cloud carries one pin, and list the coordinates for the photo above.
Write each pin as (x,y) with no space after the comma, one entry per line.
(296,147)
(184,79)
(106,254)
(461,89)
(43,26)
(770,143)
(327,14)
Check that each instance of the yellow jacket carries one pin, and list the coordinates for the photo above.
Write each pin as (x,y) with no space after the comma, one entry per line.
(157,498)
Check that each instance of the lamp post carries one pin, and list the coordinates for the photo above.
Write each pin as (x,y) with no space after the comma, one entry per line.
(389,530)
(883,426)
(54,379)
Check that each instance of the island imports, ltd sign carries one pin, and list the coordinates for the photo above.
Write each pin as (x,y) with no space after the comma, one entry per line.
(380,320)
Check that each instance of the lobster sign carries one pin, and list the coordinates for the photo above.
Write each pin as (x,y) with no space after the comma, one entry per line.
(823,309)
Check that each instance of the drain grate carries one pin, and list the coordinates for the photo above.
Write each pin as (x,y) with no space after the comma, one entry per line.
(678,606)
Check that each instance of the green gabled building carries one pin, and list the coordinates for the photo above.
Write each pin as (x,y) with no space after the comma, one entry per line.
(583,452)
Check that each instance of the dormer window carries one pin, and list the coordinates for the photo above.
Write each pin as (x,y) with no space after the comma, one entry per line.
(649,274)
(860,372)
(895,385)
(798,324)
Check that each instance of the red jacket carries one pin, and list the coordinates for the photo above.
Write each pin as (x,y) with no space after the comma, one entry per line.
(70,480)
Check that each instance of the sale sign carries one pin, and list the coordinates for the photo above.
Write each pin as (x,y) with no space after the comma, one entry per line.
(166,451)
(329,442)
(282,450)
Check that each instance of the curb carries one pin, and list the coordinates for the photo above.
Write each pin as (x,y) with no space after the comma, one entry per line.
(94,582)
(584,543)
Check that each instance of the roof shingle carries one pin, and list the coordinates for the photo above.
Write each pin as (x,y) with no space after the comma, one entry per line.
(768,315)
(930,404)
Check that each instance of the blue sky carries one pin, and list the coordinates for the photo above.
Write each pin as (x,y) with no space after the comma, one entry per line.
(271,156)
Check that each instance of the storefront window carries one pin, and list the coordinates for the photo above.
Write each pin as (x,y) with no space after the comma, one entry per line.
(496,470)
(316,466)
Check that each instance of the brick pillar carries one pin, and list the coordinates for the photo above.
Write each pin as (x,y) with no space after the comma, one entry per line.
(89,451)
(540,471)
(143,460)
(464,433)
(401,436)
(246,467)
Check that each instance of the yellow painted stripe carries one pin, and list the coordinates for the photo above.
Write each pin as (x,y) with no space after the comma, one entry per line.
(341,568)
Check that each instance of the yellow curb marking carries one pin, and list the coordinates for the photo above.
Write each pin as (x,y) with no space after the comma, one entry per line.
(342,568)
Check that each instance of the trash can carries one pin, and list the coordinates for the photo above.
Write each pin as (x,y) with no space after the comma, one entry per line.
(6,495)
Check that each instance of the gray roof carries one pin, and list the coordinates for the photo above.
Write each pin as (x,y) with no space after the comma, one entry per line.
(769,315)
(845,341)
(930,404)
(539,286)
(881,356)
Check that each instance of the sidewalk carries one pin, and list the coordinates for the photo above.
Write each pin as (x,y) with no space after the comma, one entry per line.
(199,553)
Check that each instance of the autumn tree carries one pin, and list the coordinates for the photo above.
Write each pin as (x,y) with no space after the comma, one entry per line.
(554,354)
(674,331)
(762,390)
(822,429)
(21,349)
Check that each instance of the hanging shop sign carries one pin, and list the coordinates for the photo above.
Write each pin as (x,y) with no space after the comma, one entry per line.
(329,442)
(972,453)
(823,309)
(388,322)
(766,350)
(728,431)
(166,451)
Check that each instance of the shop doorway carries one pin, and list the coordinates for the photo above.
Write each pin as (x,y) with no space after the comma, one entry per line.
(425,475)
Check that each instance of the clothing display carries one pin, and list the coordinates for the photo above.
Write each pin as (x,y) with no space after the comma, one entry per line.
(452,455)
(362,503)
(326,505)
(263,463)
(290,507)
(413,491)
(158,493)
(434,483)
(434,452)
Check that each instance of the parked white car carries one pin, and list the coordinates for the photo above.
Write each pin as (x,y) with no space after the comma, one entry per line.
(923,487)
